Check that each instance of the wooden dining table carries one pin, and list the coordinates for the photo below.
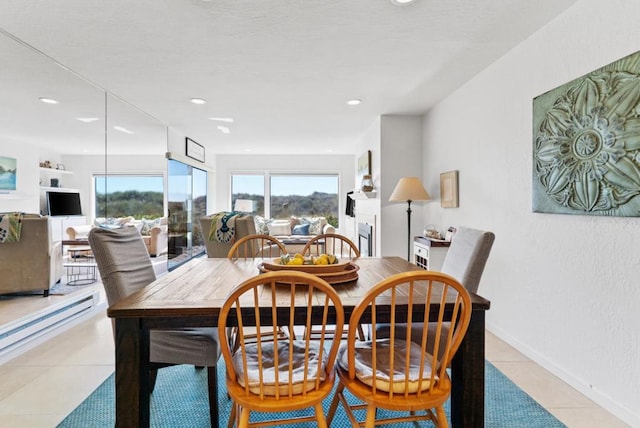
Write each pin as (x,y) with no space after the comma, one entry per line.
(192,295)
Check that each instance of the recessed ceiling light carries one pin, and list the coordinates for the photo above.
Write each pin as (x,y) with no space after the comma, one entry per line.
(401,2)
(354,102)
(122,129)
(222,119)
(87,119)
(48,100)
(224,129)
(198,101)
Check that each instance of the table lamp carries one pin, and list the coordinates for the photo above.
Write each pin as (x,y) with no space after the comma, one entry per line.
(409,189)
(243,206)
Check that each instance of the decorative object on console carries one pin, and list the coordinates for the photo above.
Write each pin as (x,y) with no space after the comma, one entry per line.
(449,189)
(585,150)
(367,183)
(409,189)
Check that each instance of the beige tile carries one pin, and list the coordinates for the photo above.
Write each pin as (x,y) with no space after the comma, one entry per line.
(14,378)
(595,417)
(31,421)
(57,390)
(542,386)
(498,350)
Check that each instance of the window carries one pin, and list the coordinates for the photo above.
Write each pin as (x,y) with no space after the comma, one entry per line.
(140,196)
(289,194)
(248,187)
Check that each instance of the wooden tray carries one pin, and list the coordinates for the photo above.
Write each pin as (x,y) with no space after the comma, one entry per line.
(348,272)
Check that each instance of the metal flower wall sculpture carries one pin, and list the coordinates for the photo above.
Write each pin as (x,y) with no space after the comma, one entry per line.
(586,148)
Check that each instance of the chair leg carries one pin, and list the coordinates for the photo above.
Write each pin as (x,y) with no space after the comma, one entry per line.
(153,375)
(442,418)
(334,403)
(370,422)
(212,381)
(322,422)
(233,415)
(244,418)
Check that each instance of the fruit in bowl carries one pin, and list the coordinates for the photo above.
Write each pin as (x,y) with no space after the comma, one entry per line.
(298,260)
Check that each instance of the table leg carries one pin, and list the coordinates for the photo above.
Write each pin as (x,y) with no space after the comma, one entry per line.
(467,373)
(132,368)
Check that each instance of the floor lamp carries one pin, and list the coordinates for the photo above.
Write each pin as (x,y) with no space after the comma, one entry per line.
(409,189)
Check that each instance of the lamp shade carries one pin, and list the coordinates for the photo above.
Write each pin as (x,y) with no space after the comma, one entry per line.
(409,189)
(244,206)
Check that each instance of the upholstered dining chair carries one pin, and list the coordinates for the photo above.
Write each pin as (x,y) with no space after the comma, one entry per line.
(465,261)
(331,243)
(467,256)
(394,373)
(278,375)
(256,247)
(125,267)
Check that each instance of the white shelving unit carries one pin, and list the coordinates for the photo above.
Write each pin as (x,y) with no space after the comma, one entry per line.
(360,195)
(46,174)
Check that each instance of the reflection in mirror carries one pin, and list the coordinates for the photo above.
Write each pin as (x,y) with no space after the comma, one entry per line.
(135,178)
(48,117)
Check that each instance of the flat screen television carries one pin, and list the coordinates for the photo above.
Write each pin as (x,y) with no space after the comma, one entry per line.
(63,203)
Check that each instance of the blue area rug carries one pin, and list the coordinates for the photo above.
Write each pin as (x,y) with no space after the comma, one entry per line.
(180,400)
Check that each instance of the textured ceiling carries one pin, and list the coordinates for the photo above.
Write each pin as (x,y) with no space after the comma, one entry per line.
(282,69)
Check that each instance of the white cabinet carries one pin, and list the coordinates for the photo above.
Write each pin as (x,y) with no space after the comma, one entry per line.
(429,254)
(58,226)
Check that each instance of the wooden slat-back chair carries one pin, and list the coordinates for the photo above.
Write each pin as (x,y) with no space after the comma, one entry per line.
(256,247)
(331,243)
(261,380)
(420,382)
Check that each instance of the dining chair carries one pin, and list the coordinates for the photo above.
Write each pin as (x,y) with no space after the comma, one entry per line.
(279,375)
(256,246)
(465,261)
(332,244)
(394,373)
(125,267)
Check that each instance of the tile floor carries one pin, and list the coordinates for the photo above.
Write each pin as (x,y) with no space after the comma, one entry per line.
(42,385)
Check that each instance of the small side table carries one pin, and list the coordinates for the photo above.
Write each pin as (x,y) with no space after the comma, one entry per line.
(429,254)
(81,266)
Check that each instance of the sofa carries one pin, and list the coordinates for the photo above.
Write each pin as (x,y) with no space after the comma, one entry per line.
(34,263)
(154,232)
(294,232)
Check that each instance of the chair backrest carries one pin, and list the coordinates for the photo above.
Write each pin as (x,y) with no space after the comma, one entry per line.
(258,303)
(422,292)
(332,244)
(256,247)
(244,226)
(123,261)
(468,255)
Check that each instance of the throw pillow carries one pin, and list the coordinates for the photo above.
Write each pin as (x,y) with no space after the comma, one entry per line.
(147,225)
(315,224)
(277,228)
(301,229)
(262,225)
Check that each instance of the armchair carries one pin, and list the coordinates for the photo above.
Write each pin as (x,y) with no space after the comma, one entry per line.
(244,226)
(34,263)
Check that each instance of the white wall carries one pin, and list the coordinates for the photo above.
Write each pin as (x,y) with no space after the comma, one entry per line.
(564,289)
(228,164)
(395,142)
